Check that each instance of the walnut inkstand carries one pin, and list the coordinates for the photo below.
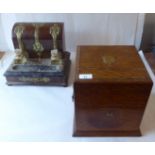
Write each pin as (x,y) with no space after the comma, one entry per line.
(40,57)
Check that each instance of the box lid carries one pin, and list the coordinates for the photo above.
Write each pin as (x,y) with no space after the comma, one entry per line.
(110,64)
(44,37)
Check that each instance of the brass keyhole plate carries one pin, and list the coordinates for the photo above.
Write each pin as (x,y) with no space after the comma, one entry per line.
(108,59)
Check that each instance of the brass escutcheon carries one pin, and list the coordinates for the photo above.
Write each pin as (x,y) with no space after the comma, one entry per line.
(108,59)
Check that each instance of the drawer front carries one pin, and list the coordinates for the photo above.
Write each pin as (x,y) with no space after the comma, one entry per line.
(62,81)
(108,119)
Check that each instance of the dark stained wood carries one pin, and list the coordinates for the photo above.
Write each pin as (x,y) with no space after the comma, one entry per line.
(113,102)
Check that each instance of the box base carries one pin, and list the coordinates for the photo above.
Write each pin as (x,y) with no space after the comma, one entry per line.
(34,79)
(134,133)
(40,78)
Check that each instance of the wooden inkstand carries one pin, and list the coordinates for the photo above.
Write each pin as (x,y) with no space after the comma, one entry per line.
(111,90)
(40,57)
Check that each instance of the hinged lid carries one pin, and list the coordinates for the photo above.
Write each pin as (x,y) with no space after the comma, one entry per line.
(110,64)
(41,32)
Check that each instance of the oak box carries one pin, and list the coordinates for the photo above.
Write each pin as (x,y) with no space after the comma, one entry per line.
(111,90)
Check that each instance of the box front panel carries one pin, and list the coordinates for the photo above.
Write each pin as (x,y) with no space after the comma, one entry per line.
(109,109)
(97,95)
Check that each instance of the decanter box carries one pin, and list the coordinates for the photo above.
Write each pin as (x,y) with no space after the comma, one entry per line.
(40,57)
(111,91)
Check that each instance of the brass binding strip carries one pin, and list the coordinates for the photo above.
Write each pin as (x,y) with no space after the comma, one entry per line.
(37,46)
(19,29)
(30,79)
(55,31)
(21,54)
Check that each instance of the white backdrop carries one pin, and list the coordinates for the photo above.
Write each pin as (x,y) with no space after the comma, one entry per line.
(120,29)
